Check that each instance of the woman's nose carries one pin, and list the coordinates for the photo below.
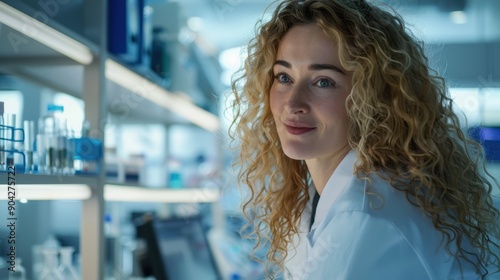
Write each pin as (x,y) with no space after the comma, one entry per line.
(296,102)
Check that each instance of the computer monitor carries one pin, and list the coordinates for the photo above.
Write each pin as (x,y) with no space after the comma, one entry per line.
(489,137)
(177,249)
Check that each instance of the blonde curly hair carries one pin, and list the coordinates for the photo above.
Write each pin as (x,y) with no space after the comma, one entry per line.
(401,122)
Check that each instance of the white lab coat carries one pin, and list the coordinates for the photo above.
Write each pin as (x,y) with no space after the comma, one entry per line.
(358,236)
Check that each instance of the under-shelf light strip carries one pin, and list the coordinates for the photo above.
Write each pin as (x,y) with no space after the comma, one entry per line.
(114,193)
(147,89)
(52,192)
(137,194)
(45,34)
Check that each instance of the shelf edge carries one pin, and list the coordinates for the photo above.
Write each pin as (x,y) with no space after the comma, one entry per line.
(141,86)
(45,34)
(26,192)
(122,193)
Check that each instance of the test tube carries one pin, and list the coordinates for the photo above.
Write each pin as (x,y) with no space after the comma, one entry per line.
(40,152)
(29,139)
(50,153)
(70,169)
(10,121)
(61,152)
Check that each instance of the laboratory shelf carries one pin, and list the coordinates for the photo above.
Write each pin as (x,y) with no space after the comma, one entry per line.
(38,49)
(41,50)
(44,187)
(50,187)
(58,187)
(49,54)
(40,40)
(45,179)
(128,193)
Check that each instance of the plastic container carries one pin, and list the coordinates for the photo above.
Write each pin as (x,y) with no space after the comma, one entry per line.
(175,180)
(87,155)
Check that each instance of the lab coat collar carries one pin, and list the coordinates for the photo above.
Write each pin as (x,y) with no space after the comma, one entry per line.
(338,182)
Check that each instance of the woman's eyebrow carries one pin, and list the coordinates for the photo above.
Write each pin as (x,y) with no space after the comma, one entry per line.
(283,63)
(313,66)
(327,67)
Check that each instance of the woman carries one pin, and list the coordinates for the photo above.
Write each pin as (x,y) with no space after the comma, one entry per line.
(354,160)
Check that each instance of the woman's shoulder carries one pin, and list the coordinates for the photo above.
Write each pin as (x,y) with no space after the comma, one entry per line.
(376,197)
(378,207)
(373,197)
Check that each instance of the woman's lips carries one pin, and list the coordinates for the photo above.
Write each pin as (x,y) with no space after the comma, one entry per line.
(294,130)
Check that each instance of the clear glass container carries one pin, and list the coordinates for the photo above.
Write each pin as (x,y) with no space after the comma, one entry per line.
(66,267)
(37,259)
(19,273)
(54,127)
(50,269)
(29,142)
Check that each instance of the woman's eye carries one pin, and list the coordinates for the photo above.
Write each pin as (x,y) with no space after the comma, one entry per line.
(325,83)
(283,78)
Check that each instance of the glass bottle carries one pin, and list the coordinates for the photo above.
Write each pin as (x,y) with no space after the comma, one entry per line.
(19,273)
(50,269)
(54,130)
(66,267)
(37,260)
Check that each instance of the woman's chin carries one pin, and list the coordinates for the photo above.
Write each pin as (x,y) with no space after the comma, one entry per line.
(297,154)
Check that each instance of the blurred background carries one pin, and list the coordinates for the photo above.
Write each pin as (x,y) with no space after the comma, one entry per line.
(114,114)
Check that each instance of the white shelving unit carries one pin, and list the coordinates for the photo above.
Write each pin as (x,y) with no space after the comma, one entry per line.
(51,55)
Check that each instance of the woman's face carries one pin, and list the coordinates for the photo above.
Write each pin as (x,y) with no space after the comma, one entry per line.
(308,94)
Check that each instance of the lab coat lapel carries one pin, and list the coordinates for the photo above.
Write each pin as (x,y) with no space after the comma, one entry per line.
(338,182)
